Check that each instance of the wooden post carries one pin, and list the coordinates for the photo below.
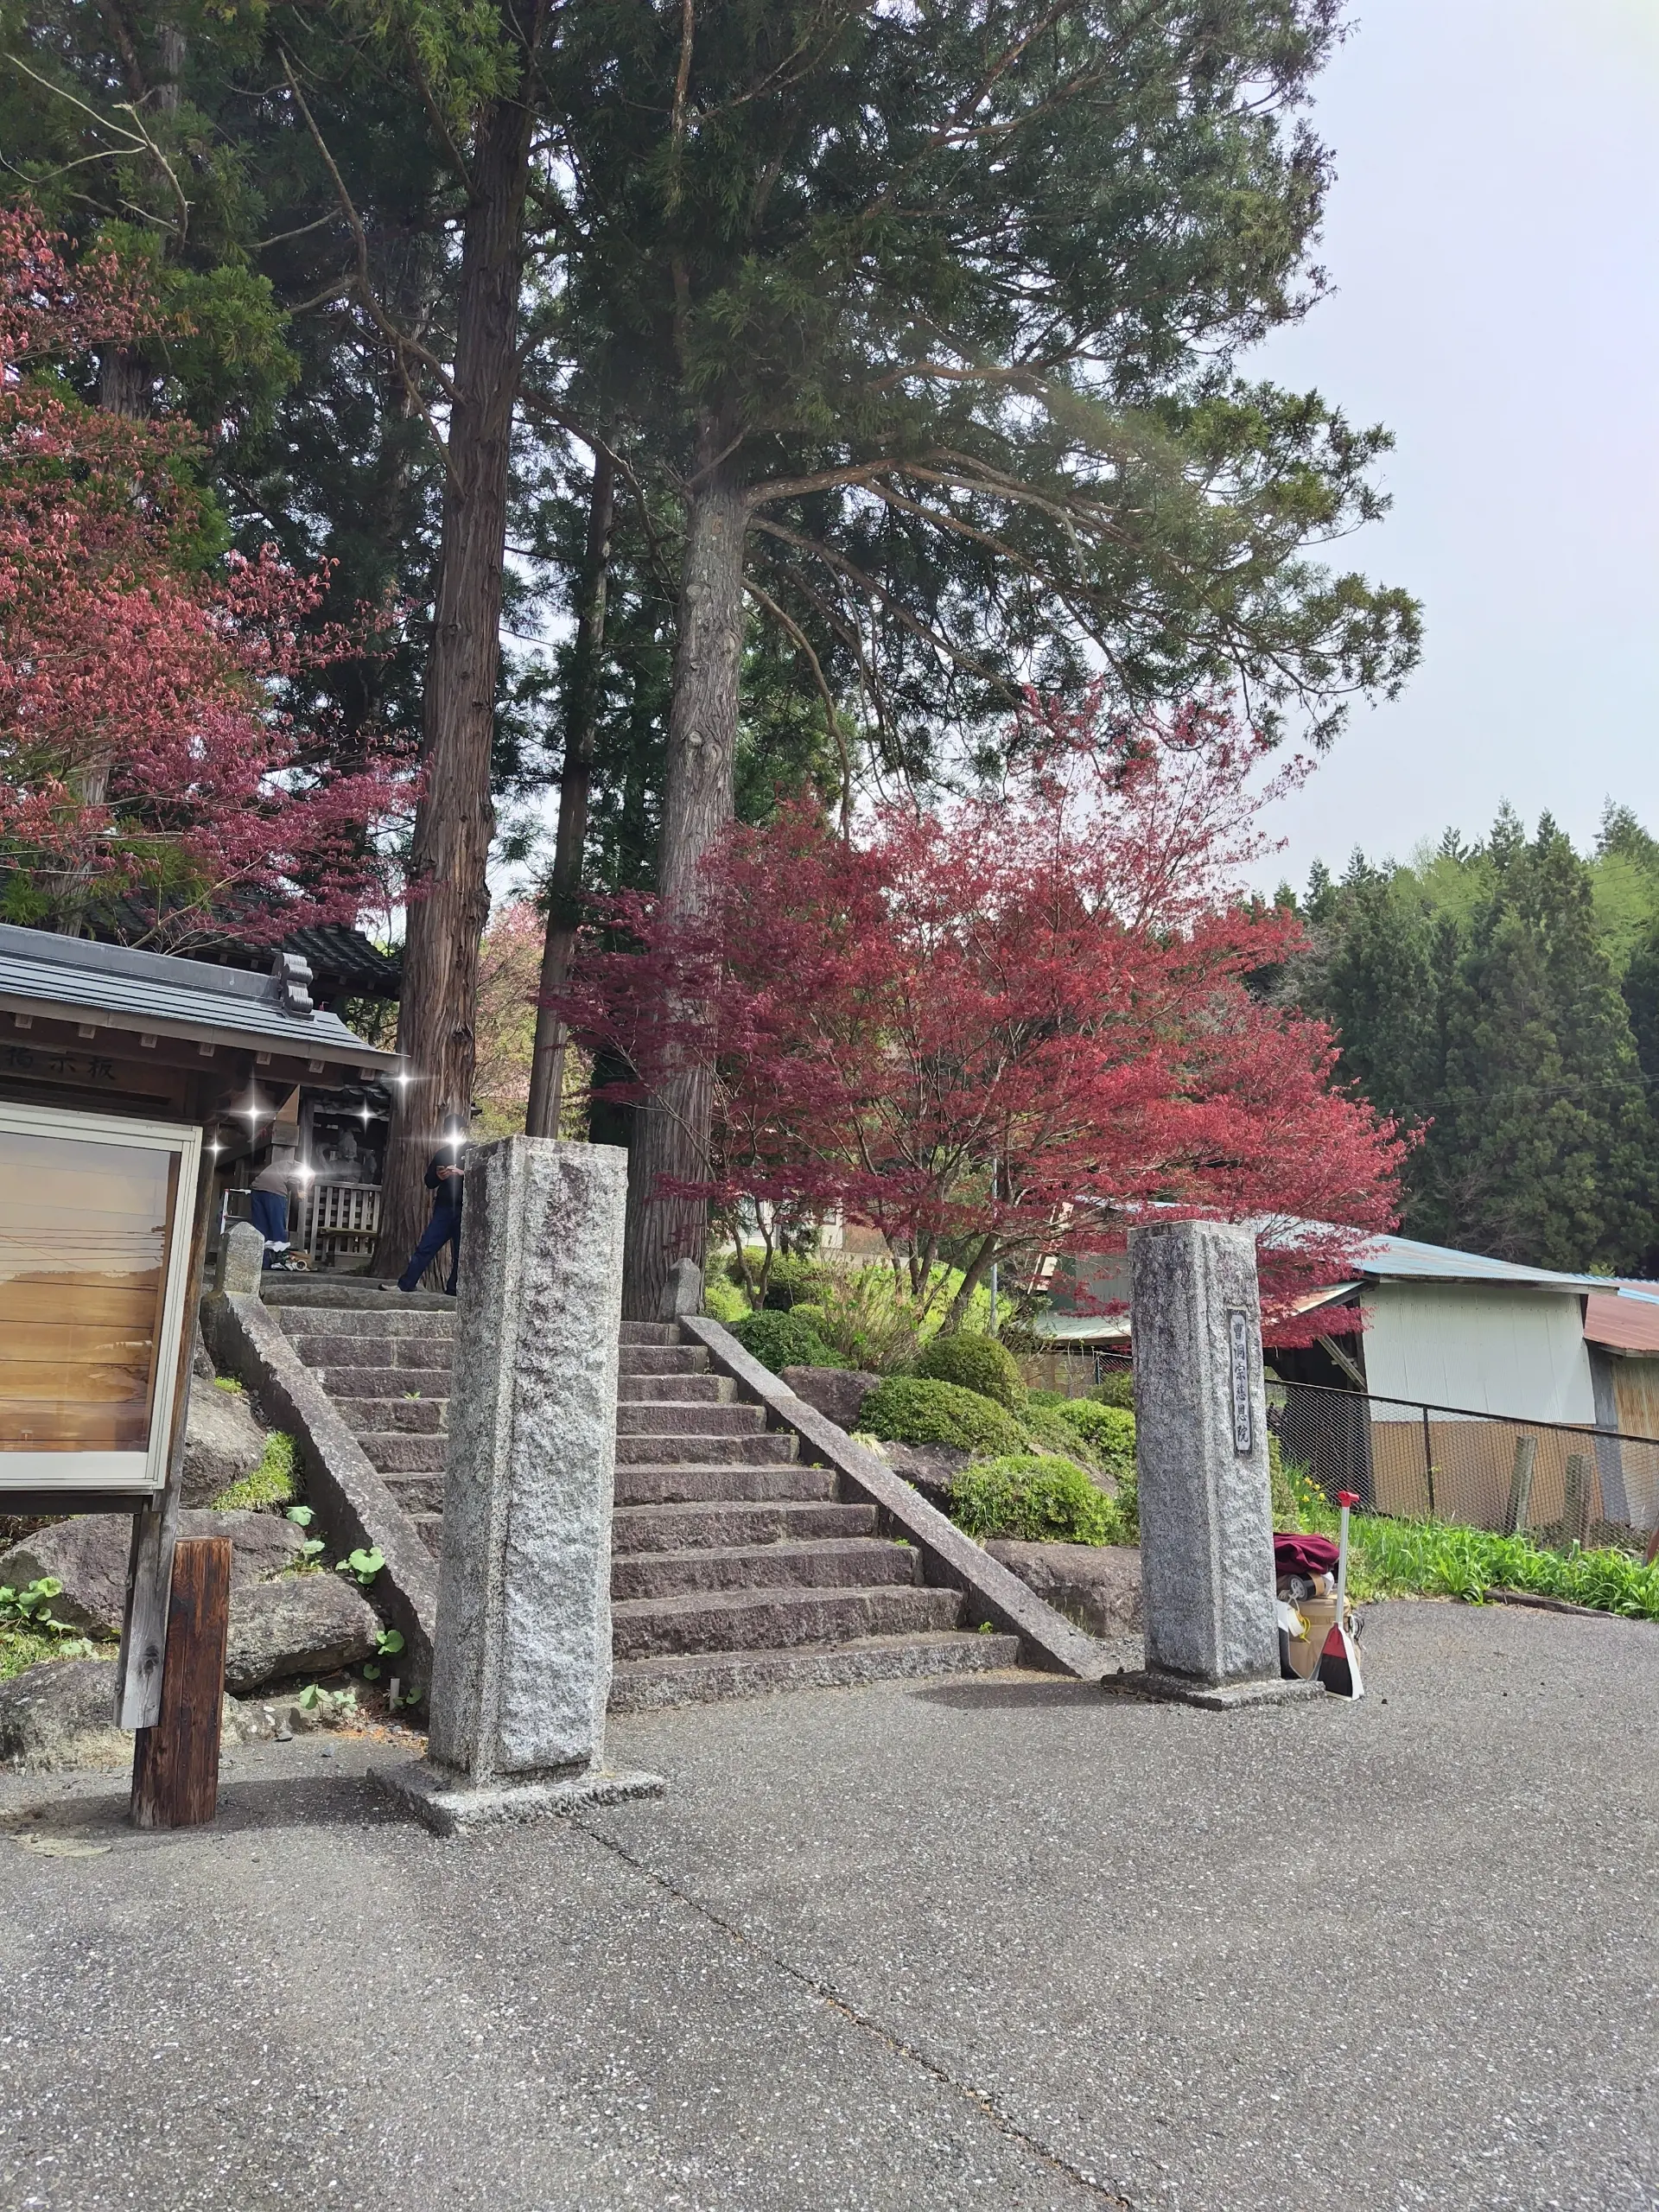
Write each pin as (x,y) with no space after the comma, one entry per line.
(138,1662)
(1576,1514)
(1526,1454)
(175,1763)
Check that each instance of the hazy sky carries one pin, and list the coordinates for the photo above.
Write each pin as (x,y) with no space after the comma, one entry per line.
(1493,237)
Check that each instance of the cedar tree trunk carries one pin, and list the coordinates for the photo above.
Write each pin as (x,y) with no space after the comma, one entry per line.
(449,902)
(575,781)
(670,1137)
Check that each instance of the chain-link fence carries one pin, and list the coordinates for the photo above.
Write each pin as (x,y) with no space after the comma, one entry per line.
(1561,1481)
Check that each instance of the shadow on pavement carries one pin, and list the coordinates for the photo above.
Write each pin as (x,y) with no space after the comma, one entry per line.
(1009,1697)
(64,1822)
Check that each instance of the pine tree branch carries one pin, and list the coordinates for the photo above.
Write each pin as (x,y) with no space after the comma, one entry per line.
(804,645)
(404,347)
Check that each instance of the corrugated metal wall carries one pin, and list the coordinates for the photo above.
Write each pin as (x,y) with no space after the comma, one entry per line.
(1494,1349)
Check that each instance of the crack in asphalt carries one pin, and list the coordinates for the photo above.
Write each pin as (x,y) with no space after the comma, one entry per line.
(827,1994)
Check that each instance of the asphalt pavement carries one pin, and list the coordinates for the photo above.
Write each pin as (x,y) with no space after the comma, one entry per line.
(997,1943)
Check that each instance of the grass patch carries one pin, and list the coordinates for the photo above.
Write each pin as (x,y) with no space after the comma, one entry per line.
(1435,1559)
(275,1481)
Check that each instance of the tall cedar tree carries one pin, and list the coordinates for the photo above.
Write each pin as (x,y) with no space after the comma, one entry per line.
(1492,1013)
(989,1029)
(368,169)
(939,304)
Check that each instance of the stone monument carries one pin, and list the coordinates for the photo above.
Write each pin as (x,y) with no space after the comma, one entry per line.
(1201,1457)
(522,1656)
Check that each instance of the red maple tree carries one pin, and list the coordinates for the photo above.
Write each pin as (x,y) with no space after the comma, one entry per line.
(149,748)
(1003,1028)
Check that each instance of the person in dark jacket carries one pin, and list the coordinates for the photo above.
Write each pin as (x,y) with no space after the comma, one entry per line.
(445,1179)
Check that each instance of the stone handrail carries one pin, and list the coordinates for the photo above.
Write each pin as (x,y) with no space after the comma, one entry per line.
(952,1559)
(352,1501)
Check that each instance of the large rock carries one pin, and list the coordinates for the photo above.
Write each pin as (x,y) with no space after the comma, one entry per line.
(302,1624)
(58,1714)
(838,1392)
(930,1468)
(89,1557)
(1096,1585)
(222,1443)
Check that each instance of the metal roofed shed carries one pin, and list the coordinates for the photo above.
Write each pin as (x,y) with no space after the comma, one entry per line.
(1446,1327)
(1454,1341)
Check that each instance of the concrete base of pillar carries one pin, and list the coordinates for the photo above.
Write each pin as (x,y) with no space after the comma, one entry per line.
(1213,1697)
(449,1804)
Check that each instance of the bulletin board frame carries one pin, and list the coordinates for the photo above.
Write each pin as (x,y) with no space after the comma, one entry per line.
(128,1478)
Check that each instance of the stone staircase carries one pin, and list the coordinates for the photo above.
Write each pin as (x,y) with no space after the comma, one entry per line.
(736,1567)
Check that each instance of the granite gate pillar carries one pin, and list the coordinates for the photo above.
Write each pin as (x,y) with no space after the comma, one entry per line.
(1201,1455)
(522,1655)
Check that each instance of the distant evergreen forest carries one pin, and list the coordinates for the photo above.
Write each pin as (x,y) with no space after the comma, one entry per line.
(1506,994)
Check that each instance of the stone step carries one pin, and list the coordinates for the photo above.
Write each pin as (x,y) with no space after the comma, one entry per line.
(417,1494)
(770,1619)
(352,1321)
(728,1522)
(863,1563)
(395,1453)
(650,1332)
(776,1484)
(674,1389)
(766,1447)
(430,1526)
(370,1381)
(415,1415)
(357,1293)
(328,1353)
(662,1359)
(709,1419)
(700,1678)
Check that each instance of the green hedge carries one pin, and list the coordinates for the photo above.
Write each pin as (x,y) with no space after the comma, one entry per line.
(974,1363)
(1117,1390)
(1107,1429)
(791,1280)
(910,1409)
(1034,1498)
(781,1340)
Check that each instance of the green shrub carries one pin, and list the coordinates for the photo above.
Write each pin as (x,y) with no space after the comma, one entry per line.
(720,1302)
(1047,1429)
(1117,1388)
(1033,1497)
(791,1282)
(861,1315)
(908,1409)
(781,1340)
(1107,1430)
(794,1281)
(273,1482)
(974,1363)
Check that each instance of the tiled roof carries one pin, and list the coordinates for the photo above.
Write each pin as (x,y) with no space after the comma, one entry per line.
(135,990)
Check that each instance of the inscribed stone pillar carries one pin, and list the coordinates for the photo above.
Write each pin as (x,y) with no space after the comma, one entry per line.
(522,1655)
(241,1258)
(1201,1455)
